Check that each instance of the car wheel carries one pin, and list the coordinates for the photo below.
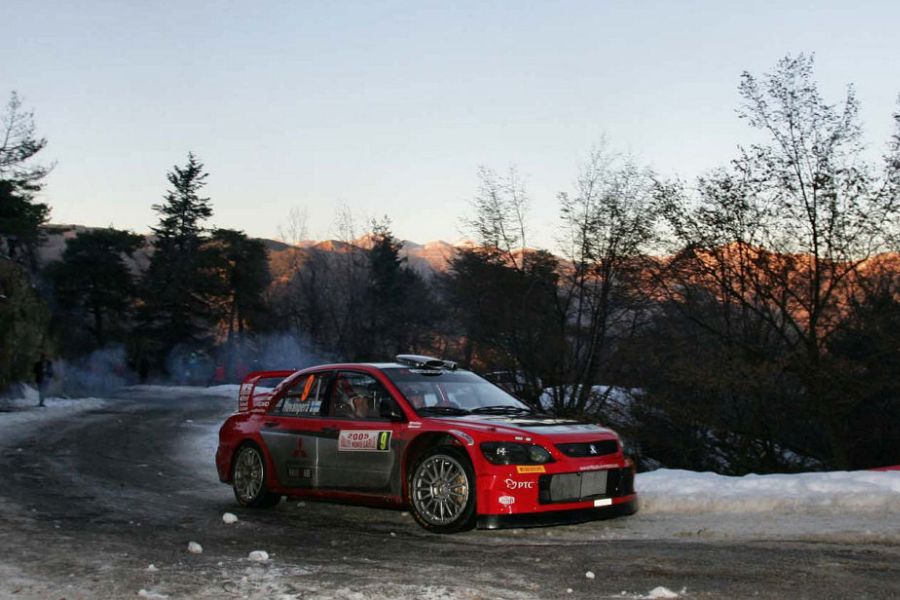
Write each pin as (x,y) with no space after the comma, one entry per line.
(248,478)
(442,490)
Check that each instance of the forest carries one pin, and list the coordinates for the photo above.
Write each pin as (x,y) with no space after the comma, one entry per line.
(744,321)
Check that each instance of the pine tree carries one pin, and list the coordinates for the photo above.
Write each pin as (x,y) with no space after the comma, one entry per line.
(94,286)
(24,320)
(238,269)
(398,307)
(175,309)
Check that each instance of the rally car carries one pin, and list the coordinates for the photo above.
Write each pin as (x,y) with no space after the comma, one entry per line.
(453,448)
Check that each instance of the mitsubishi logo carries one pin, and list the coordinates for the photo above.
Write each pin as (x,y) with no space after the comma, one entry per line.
(592,449)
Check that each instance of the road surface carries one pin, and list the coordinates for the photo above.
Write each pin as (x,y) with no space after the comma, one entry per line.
(89,502)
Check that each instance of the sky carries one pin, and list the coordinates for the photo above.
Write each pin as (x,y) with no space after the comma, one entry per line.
(389,108)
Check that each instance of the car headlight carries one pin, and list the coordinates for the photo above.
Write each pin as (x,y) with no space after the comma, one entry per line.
(509,453)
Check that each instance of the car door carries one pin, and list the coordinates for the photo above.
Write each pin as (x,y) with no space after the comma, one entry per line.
(363,448)
(292,428)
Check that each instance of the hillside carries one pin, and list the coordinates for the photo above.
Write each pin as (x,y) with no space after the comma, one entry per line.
(426,259)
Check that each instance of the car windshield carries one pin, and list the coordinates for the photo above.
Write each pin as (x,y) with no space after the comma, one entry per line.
(453,393)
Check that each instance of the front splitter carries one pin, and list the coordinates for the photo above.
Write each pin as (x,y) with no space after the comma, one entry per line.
(557,517)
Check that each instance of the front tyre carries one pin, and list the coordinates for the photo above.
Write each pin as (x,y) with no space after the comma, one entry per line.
(442,491)
(248,478)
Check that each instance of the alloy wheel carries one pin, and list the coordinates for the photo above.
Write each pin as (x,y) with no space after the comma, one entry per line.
(248,474)
(440,489)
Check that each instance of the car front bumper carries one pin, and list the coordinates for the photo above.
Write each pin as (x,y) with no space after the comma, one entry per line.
(559,517)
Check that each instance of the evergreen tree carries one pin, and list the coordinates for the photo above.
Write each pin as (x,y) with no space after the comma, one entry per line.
(508,314)
(865,353)
(398,306)
(24,319)
(238,271)
(94,286)
(175,309)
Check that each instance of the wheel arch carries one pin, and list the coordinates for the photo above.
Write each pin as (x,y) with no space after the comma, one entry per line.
(428,440)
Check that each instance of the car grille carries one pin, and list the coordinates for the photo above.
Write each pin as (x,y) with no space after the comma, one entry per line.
(589,449)
(587,485)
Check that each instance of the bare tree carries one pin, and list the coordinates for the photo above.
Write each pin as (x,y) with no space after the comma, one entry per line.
(781,236)
(20,215)
(606,226)
(19,143)
(499,215)
(295,228)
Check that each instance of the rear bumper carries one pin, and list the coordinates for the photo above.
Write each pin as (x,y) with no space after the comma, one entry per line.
(557,517)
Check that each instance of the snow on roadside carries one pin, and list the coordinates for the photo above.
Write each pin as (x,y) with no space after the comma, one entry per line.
(677,491)
(218,391)
(18,414)
(656,593)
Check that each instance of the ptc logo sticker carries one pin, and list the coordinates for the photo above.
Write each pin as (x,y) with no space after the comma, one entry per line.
(512,484)
(364,441)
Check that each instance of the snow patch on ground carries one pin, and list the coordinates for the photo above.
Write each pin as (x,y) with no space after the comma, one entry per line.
(175,391)
(677,491)
(661,592)
(18,414)
(151,594)
(397,592)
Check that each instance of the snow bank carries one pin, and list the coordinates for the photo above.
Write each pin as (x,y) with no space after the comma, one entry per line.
(676,491)
(18,414)
(172,391)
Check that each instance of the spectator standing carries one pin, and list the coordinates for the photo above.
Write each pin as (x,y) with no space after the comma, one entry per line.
(43,373)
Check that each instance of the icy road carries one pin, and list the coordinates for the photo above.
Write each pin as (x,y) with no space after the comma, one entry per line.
(103,498)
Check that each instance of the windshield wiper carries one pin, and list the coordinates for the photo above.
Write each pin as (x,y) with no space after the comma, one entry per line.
(442,410)
(502,409)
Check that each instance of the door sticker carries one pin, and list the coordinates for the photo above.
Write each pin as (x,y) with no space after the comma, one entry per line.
(364,441)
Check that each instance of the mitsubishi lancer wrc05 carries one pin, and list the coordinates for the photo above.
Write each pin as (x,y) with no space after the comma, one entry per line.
(454,449)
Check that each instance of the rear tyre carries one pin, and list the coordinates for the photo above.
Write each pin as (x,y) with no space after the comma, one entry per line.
(248,478)
(442,490)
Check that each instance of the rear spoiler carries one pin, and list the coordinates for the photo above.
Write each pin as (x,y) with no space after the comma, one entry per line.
(251,399)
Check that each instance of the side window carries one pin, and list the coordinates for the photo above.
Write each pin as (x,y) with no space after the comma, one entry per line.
(304,395)
(360,396)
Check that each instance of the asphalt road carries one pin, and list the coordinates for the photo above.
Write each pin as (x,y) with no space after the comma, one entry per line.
(87,504)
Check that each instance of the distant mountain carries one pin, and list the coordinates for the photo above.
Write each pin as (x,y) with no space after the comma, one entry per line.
(425,259)
(56,237)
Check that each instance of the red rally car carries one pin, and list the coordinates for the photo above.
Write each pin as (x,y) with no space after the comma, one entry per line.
(453,448)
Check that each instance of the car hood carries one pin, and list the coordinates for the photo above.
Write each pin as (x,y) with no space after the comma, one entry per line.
(518,425)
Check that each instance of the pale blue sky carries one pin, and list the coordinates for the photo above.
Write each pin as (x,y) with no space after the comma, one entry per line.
(390,107)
